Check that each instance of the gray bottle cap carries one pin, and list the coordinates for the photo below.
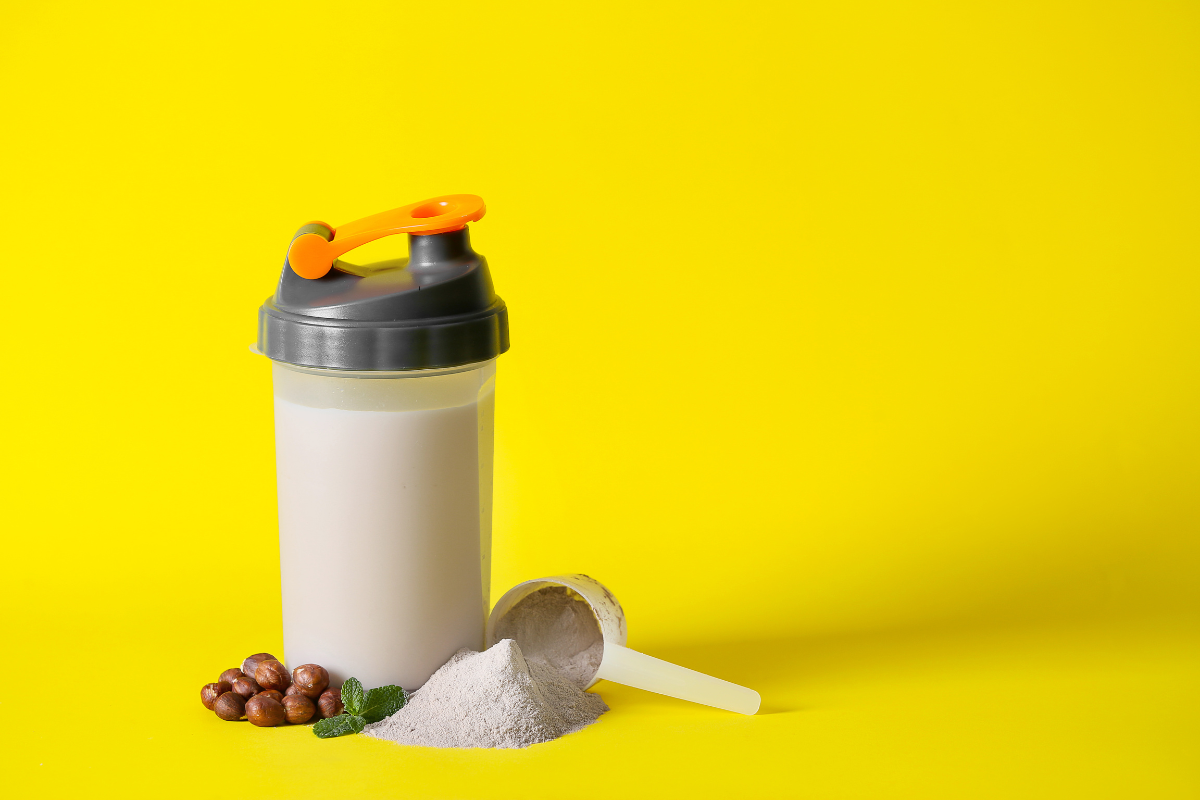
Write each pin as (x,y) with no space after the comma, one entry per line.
(435,309)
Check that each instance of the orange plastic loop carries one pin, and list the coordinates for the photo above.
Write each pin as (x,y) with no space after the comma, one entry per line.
(311,256)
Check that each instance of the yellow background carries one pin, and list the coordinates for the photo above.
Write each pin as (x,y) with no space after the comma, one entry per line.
(854,349)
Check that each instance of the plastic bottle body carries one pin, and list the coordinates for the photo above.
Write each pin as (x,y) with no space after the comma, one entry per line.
(385,494)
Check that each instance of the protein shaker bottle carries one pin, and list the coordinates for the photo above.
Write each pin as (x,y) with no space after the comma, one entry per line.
(384,379)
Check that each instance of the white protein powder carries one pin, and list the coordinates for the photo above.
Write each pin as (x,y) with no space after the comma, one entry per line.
(557,626)
(491,699)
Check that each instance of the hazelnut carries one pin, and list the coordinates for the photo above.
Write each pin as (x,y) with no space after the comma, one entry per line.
(311,678)
(230,675)
(264,711)
(272,675)
(251,663)
(329,704)
(274,695)
(291,690)
(230,706)
(211,691)
(299,708)
(246,687)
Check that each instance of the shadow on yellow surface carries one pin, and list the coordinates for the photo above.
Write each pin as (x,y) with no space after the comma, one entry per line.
(1095,708)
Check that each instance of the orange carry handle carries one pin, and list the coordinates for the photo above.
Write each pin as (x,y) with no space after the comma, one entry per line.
(311,256)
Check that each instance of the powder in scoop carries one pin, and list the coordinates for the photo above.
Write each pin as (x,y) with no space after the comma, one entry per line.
(558,627)
(491,699)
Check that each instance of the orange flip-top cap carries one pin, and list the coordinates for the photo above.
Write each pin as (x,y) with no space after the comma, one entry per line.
(311,256)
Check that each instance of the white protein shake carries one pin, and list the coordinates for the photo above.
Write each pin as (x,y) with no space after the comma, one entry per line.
(384,518)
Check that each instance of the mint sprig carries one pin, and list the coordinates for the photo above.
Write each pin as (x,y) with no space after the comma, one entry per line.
(361,708)
(338,726)
(383,702)
(352,696)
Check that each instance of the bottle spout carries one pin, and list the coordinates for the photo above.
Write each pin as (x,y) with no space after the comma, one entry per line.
(433,249)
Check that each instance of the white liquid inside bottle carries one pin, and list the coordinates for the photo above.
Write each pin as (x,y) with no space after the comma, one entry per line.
(385,494)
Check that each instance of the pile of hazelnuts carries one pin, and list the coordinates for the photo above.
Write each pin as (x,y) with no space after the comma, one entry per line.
(264,692)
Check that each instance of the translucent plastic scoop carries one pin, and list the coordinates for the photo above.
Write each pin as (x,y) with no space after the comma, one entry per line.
(618,663)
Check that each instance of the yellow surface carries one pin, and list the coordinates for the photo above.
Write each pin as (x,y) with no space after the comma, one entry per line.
(896,422)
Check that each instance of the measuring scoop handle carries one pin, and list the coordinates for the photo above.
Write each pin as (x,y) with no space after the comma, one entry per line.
(631,668)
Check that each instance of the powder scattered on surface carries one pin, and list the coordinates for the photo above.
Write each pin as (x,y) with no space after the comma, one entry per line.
(491,699)
(558,627)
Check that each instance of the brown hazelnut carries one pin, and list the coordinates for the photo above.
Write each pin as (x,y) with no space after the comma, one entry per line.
(329,704)
(246,687)
(293,689)
(274,695)
(230,706)
(230,675)
(299,708)
(211,691)
(311,678)
(272,675)
(265,712)
(251,663)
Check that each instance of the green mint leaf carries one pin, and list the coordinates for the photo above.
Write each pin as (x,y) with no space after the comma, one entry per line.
(382,702)
(338,726)
(352,696)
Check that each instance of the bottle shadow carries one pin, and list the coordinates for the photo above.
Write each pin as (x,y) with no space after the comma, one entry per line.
(779,668)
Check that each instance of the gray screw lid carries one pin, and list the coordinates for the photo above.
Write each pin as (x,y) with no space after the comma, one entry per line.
(436,308)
